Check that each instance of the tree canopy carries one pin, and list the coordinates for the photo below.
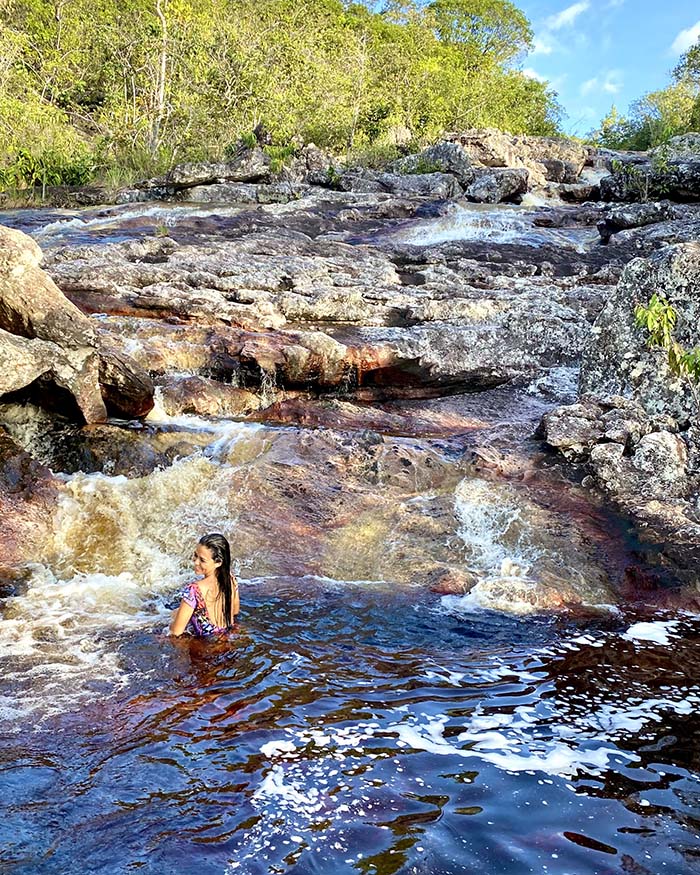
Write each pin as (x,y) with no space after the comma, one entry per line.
(659,115)
(102,85)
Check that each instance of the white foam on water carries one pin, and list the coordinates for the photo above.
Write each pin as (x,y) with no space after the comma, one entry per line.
(491,525)
(288,793)
(272,748)
(459,222)
(53,639)
(157,214)
(509,751)
(500,548)
(494,224)
(657,632)
(618,719)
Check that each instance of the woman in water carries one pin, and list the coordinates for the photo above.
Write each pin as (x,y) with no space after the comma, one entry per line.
(209,606)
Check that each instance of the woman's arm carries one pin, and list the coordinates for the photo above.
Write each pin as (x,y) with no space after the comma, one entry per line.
(181,618)
(235,599)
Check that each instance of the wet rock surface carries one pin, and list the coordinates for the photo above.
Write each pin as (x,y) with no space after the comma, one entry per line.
(414,339)
(28,503)
(635,425)
(49,346)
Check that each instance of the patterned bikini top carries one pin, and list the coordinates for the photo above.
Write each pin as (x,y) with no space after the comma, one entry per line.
(199,624)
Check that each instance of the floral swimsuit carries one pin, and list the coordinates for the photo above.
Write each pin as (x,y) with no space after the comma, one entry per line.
(199,624)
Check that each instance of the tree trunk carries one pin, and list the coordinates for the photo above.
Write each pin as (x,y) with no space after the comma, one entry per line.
(159,107)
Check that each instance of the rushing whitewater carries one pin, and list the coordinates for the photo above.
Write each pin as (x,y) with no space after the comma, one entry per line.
(506,224)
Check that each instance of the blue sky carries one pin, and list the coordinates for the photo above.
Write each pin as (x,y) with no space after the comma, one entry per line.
(598,52)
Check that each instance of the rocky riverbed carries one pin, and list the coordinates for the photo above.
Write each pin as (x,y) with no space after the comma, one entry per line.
(412,328)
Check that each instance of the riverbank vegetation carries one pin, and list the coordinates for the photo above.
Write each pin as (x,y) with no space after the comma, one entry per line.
(115,89)
(656,117)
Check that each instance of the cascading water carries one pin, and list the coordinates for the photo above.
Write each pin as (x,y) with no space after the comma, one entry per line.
(356,721)
(488,224)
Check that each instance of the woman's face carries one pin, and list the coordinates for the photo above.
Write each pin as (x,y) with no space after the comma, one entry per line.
(204,562)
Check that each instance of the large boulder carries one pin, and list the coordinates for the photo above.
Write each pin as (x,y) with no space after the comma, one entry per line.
(657,469)
(243,193)
(441,157)
(245,165)
(677,179)
(497,186)
(46,367)
(631,423)
(618,361)
(312,166)
(621,218)
(545,158)
(33,307)
(46,338)
(438,186)
(488,147)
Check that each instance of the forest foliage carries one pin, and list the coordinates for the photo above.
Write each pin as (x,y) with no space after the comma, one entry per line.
(659,115)
(125,87)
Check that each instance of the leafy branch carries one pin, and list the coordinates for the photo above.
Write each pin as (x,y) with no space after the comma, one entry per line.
(658,318)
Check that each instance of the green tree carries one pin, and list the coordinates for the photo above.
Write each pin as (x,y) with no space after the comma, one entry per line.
(135,85)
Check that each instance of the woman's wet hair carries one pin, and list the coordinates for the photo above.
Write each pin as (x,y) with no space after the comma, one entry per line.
(221,552)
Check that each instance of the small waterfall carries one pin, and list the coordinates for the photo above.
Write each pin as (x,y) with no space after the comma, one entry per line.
(508,550)
(491,224)
(118,553)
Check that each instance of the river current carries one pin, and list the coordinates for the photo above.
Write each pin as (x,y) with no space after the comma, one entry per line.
(356,721)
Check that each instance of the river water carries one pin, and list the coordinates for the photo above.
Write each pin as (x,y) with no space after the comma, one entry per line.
(356,721)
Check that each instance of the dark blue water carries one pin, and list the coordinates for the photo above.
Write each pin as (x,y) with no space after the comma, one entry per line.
(351,729)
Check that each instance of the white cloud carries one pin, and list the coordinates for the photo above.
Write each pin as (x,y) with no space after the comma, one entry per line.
(567,16)
(542,45)
(589,85)
(685,39)
(610,83)
(533,74)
